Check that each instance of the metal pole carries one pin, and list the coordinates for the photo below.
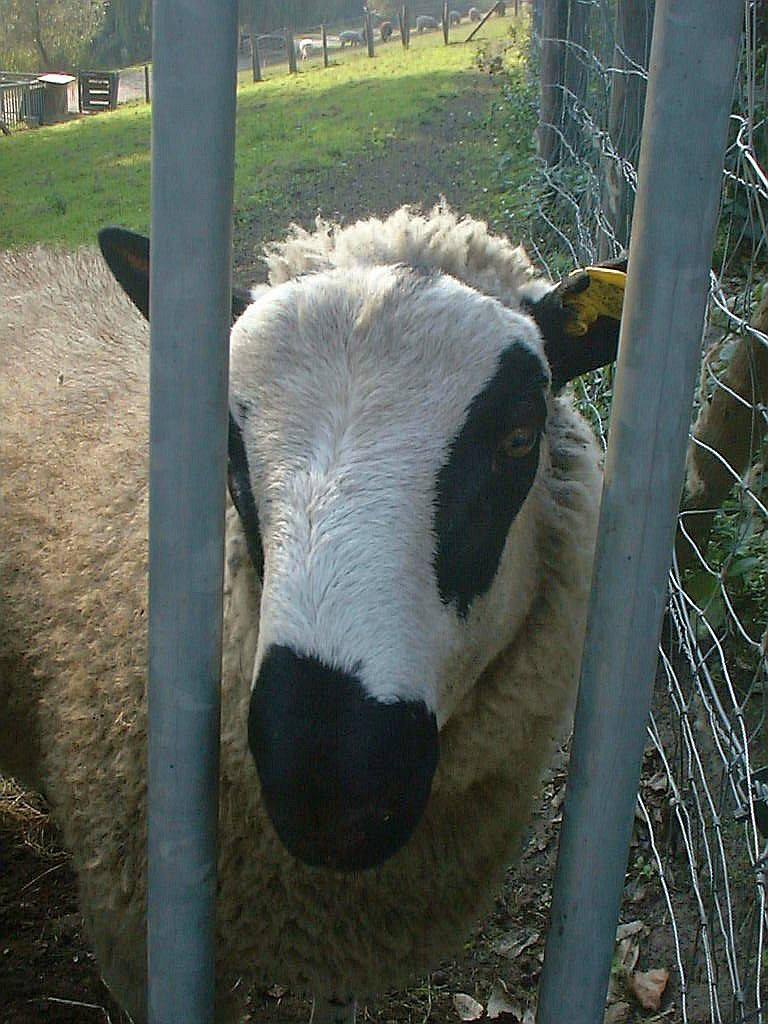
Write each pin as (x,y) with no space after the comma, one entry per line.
(692,66)
(193,130)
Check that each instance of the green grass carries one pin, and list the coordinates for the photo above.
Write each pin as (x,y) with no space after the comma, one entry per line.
(59,184)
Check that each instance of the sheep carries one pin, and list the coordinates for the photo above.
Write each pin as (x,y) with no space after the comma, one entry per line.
(351,37)
(386,29)
(425,22)
(408,557)
(454,18)
(474,14)
(304,48)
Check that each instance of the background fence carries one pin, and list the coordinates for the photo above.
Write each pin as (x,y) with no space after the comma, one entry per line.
(701,838)
(21,101)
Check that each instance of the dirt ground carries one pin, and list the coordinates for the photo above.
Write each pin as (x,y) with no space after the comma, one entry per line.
(47,972)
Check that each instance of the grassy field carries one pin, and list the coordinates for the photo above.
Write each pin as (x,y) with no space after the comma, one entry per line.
(59,184)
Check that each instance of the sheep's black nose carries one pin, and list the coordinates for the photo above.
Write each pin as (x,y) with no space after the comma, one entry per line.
(344,777)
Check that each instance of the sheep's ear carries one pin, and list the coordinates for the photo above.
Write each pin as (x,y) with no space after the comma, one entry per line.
(239,480)
(579,320)
(127,256)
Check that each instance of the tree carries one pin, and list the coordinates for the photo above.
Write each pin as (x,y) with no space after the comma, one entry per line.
(272,15)
(46,35)
(554,30)
(634,22)
(126,32)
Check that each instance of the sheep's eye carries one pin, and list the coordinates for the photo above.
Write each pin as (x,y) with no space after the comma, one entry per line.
(517,444)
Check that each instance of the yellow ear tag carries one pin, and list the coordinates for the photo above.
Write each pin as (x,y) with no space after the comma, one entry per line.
(603,297)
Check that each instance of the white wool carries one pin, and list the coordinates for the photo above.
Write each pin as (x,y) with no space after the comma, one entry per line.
(398,355)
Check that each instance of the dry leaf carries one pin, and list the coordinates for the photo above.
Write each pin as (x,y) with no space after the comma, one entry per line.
(628,955)
(638,893)
(658,783)
(467,1007)
(624,931)
(499,1002)
(513,947)
(617,1014)
(648,987)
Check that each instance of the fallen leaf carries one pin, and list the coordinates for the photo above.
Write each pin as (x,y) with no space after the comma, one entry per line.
(467,1007)
(648,987)
(638,893)
(628,955)
(499,1003)
(617,1014)
(513,947)
(624,931)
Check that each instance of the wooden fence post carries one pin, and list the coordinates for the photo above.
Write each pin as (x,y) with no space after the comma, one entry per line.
(255,57)
(324,35)
(445,23)
(405,28)
(146,83)
(482,21)
(291,48)
(369,31)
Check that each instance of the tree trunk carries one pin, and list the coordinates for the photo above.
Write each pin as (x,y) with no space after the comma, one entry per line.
(38,36)
(731,427)
(634,22)
(554,29)
(576,56)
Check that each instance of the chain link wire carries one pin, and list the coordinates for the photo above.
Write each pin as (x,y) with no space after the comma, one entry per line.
(702,820)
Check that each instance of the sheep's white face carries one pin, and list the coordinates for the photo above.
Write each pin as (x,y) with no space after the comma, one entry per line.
(391,430)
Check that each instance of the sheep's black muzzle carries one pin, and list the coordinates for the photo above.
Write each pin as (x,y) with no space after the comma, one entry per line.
(344,777)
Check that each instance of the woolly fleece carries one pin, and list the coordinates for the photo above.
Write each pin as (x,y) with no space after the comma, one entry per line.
(73,501)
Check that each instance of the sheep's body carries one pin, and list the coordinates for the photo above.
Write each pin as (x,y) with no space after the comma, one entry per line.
(424,22)
(73,628)
(454,18)
(351,37)
(305,48)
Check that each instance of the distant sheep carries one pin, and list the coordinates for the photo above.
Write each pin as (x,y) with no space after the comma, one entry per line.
(424,497)
(351,38)
(454,18)
(386,29)
(474,14)
(304,48)
(424,22)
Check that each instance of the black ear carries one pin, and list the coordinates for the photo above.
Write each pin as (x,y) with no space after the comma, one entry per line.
(579,320)
(127,256)
(239,480)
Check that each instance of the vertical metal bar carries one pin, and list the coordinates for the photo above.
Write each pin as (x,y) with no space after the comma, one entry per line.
(693,61)
(193,129)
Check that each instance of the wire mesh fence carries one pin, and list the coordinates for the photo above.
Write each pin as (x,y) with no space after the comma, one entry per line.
(701,837)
